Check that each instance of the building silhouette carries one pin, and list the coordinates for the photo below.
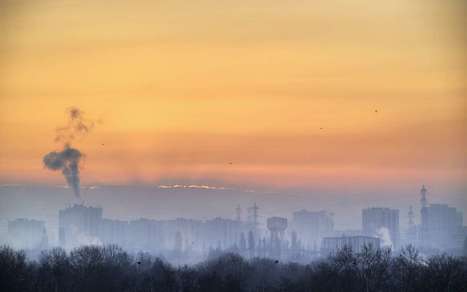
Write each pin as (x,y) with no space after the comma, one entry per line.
(441,227)
(276,227)
(376,221)
(312,227)
(79,225)
(27,234)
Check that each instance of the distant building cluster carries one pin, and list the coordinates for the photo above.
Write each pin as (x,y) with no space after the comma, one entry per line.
(80,225)
(27,234)
(441,226)
(307,235)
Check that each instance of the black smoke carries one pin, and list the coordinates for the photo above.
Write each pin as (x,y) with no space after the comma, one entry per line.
(77,127)
(68,159)
(68,162)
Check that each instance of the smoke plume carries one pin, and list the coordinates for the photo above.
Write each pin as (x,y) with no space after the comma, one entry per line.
(385,237)
(68,159)
(77,126)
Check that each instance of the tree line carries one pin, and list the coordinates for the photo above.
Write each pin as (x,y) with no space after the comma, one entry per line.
(110,268)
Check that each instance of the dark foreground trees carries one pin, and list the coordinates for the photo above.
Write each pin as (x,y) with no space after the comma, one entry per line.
(109,268)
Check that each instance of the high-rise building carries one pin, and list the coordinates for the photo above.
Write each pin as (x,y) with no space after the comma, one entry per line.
(113,231)
(383,223)
(311,227)
(441,227)
(79,225)
(27,234)
(410,236)
(144,234)
(221,231)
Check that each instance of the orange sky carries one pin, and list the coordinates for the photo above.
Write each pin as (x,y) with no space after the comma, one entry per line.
(285,90)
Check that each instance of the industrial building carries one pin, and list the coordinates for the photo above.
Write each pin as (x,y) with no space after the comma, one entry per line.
(312,227)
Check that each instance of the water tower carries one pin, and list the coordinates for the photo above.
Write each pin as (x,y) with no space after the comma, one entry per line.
(277,227)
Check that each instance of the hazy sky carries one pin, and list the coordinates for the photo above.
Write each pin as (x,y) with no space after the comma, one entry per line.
(252,93)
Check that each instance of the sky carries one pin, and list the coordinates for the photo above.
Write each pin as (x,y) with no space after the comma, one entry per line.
(258,94)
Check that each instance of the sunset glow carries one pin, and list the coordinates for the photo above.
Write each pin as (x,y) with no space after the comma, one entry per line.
(292,93)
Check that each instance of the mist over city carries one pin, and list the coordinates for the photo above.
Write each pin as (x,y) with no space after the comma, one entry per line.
(183,146)
(205,218)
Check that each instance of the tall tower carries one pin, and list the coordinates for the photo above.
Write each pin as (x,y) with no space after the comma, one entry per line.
(423,200)
(238,211)
(277,227)
(253,217)
(411,235)
(423,213)
(411,216)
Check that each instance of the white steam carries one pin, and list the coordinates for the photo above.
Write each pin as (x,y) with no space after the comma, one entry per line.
(385,237)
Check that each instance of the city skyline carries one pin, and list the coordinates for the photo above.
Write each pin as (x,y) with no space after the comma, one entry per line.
(302,236)
(208,145)
(119,205)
